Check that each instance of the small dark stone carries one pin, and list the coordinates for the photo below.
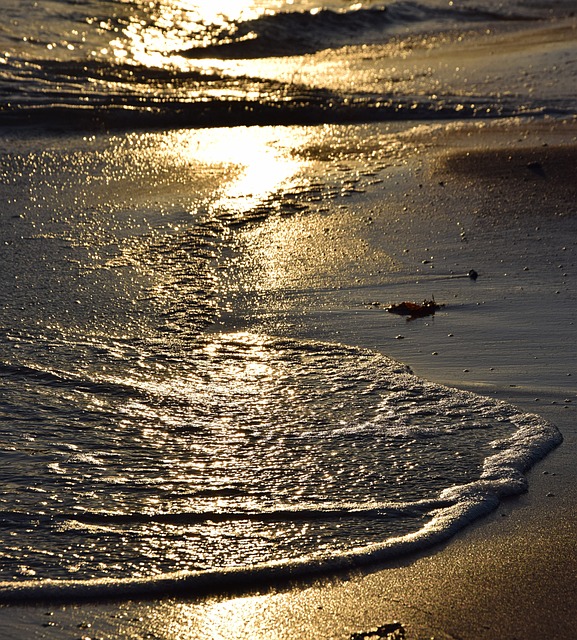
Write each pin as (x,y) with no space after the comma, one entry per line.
(473,274)
(536,167)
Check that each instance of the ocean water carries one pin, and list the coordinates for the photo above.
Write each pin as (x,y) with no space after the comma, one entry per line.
(142,450)
(169,63)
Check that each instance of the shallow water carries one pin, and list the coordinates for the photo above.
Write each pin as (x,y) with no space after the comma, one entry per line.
(241,451)
(139,442)
(180,63)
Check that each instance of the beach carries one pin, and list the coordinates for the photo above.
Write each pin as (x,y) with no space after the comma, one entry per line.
(215,422)
(494,197)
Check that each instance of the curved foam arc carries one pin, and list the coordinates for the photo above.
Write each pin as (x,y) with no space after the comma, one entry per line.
(502,476)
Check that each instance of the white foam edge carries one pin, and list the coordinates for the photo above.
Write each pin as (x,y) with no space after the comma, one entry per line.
(502,476)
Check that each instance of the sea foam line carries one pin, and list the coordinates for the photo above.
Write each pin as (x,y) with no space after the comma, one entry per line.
(502,477)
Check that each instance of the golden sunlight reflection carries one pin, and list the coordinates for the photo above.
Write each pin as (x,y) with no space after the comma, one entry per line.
(157,32)
(212,620)
(261,159)
(317,250)
(252,368)
(245,366)
(255,366)
(199,176)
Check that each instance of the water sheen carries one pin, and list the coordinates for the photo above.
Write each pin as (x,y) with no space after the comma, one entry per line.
(136,441)
(139,445)
(240,450)
(175,63)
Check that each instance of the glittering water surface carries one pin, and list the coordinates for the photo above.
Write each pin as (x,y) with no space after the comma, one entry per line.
(138,442)
(174,62)
(238,451)
(136,439)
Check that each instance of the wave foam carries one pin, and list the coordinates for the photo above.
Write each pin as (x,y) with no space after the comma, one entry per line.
(501,475)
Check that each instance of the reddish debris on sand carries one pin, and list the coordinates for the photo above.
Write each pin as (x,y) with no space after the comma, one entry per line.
(414,309)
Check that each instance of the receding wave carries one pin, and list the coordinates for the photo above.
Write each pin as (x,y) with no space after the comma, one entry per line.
(247,462)
(92,94)
(460,506)
(307,106)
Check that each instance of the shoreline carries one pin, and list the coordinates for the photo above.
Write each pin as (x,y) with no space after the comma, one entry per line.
(512,573)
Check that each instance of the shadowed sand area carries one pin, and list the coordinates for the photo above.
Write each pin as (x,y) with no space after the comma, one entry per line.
(497,197)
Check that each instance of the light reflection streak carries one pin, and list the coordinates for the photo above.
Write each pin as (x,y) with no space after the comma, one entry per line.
(221,174)
(225,619)
(262,161)
(214,620)
(154,36)
(266,615)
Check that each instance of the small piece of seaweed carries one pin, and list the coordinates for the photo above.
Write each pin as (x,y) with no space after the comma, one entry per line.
(415,309)
(389,631)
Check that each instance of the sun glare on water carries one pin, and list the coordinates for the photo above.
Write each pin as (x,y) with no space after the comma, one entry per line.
(157,33)
(261,161)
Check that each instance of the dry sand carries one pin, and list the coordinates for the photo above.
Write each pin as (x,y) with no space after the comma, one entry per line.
(497,197)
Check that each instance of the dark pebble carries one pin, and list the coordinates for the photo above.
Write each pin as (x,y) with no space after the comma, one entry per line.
(536,167)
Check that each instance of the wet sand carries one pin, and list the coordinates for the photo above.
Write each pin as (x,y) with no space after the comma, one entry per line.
(499,198)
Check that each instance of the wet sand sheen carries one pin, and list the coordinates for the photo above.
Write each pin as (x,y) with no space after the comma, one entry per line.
(484,581)
(419,207)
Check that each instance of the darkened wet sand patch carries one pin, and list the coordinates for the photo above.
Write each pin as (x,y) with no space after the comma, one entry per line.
(544,165)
